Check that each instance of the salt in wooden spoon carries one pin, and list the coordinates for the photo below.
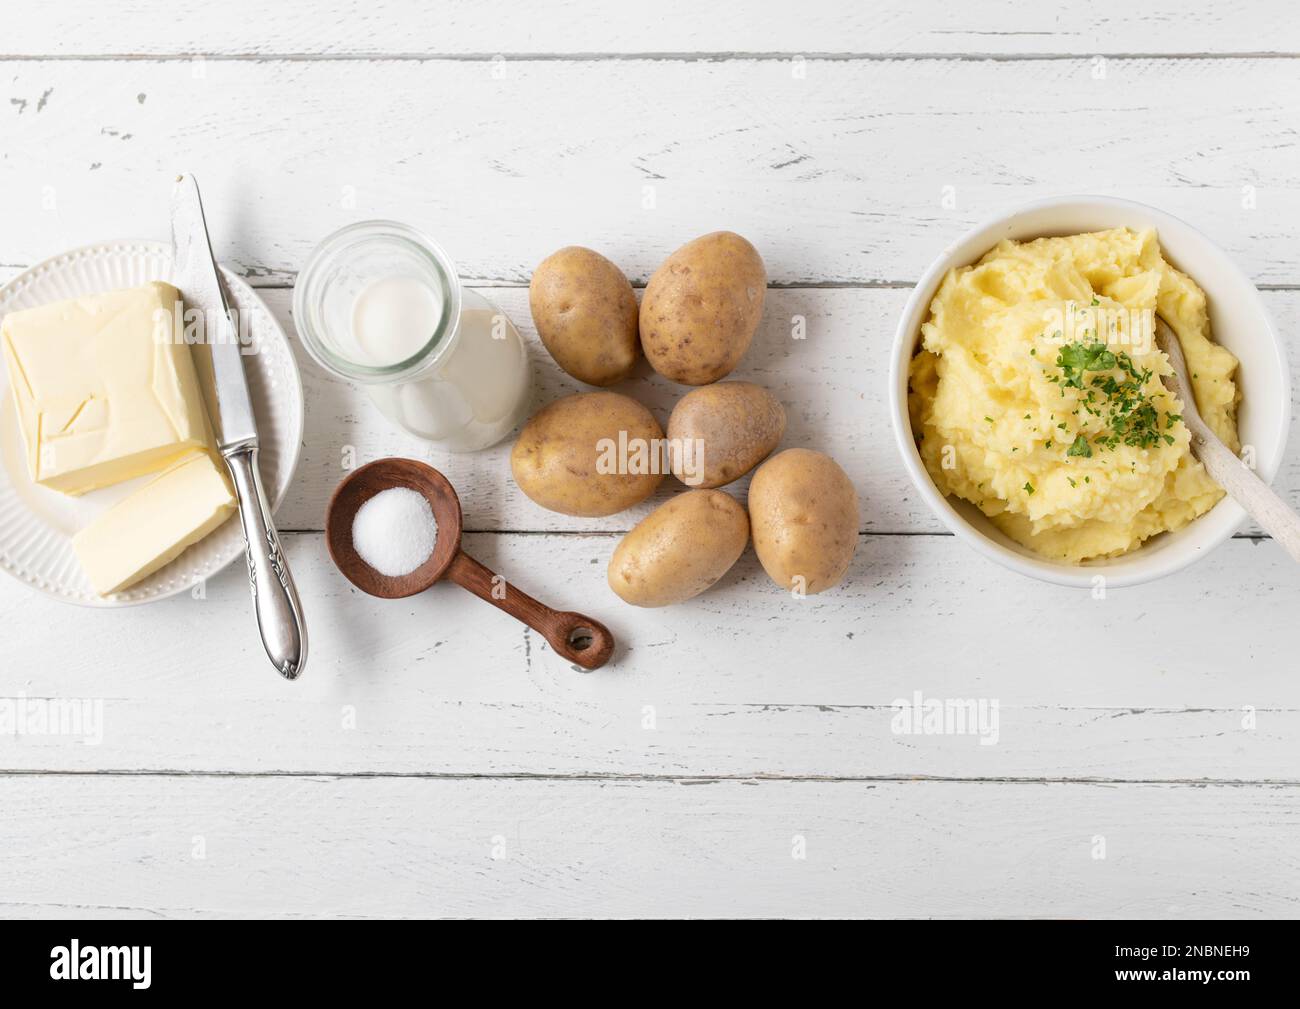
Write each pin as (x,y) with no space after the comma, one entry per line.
(574,636)
(1225,469)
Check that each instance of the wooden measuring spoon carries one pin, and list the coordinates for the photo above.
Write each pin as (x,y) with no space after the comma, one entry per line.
(574,636)
(1225,469)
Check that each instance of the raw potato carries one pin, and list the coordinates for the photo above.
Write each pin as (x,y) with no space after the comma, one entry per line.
(567,459)
(701,308)
(679,549)
(804,513)
(733,425)
(586,314)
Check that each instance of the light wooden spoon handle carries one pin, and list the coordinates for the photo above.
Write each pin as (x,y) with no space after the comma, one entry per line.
(1245,487)
(1225,469)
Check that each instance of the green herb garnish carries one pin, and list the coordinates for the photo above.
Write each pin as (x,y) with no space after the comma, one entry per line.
(1076,358)
(1114,389)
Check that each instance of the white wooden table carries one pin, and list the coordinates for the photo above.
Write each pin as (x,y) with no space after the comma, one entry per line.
(738,757)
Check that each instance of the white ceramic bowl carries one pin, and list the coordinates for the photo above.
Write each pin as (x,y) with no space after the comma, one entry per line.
(1238,321)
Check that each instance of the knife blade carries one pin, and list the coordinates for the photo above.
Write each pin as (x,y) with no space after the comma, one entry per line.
(230,405)
(275,597)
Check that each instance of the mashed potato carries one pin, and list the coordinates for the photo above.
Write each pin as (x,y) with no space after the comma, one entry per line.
(1036,394)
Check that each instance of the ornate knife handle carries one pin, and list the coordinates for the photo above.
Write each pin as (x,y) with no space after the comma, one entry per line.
(279,613)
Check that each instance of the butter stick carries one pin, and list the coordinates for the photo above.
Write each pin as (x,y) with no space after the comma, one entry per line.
(104,388)
(154,525)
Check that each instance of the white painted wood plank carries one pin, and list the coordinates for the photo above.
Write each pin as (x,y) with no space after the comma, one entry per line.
(1153,682)
(833,384)
(407,27)
(838,176)
(291,847)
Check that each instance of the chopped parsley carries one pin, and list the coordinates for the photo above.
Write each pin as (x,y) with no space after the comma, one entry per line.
(1077,358)
(1114,389)
(1029,488)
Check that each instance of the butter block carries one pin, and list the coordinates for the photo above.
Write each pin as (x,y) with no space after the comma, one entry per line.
(104,391)
(153,526)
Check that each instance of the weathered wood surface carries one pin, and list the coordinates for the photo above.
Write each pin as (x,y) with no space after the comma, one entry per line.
(415,29)
(295,847)
(840,171)
(438,759)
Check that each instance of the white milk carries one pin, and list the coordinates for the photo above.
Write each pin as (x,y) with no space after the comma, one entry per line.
(393,318)
(379,303)
(476,395)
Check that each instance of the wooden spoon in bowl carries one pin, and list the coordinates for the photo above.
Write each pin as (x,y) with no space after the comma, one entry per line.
(1225,469)
(576,637)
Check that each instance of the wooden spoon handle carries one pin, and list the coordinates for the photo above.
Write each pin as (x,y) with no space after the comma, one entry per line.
(576,637)
(1243,485)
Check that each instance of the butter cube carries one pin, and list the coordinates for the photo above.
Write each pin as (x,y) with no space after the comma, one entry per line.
(104,390)
(152,527)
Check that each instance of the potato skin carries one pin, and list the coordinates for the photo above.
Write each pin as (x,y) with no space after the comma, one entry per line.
(555,458)
(701,308)
(679,549)
(586,314)
(738,424)
(804,513)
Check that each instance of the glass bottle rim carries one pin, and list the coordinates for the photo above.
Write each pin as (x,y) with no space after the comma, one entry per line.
(307,302)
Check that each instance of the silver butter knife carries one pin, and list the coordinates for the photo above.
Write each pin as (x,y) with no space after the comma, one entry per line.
(275,599)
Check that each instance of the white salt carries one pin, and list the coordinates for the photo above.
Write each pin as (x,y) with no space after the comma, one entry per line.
(394,531)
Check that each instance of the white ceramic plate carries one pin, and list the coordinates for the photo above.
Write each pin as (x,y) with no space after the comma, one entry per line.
(37,524)
(1238,320)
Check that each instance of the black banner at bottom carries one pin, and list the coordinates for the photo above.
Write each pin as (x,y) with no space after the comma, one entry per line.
(339,958)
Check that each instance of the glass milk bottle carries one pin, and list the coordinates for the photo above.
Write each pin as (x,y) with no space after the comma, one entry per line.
(379,303)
